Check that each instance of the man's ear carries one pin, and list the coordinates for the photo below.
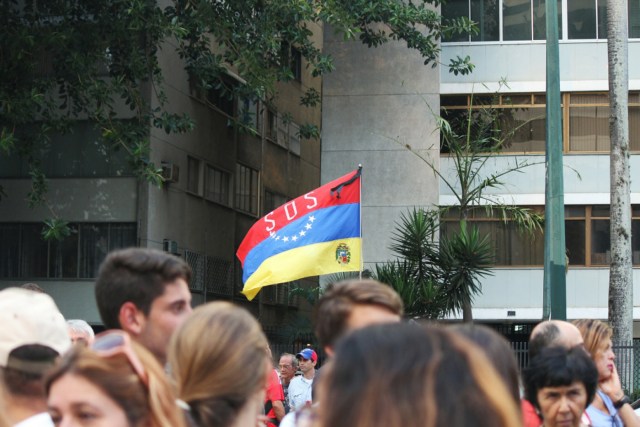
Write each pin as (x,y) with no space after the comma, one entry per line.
(328,350)
(131,319)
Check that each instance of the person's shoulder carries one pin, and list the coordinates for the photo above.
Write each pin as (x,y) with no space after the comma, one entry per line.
(295,379)
(274,378)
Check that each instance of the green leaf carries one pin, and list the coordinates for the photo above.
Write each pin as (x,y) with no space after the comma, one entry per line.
(55,229)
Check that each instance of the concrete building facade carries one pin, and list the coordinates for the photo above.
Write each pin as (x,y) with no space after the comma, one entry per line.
(371,113)
(219,181)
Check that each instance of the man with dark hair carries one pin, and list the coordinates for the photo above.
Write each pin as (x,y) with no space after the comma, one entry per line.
(547,334)
(32,336)
(353,304)
(146,293)
(344,306)
(300,389)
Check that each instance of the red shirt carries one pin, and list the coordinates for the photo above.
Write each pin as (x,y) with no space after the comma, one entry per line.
(529,414)
(274,393)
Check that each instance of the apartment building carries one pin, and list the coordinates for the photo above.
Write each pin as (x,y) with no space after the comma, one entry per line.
(218,181)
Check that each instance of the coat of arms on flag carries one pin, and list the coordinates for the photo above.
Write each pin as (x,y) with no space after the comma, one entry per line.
(305,237)
(343,254)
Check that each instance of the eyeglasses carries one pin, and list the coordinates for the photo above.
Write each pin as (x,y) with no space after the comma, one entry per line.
(285,366)
(116,342)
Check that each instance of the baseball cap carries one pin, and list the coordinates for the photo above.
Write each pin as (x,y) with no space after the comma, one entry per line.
(308,354)
(30,318)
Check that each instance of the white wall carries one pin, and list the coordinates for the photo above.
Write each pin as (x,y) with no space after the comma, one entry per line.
(586,179)
(82,200)
(583,66)
(520,290)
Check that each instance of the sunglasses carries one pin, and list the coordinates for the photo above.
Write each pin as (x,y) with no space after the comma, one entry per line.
(115,342)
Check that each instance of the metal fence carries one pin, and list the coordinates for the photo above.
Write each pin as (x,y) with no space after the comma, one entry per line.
(627,362)
(627,356)
(214,274)
(295,346)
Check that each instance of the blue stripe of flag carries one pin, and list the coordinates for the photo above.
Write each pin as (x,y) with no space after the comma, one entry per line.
(323,225)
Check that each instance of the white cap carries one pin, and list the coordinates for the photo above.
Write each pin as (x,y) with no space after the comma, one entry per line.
(30,318)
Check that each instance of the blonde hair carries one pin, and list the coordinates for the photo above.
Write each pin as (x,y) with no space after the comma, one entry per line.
(152,406)
(219,361)
(414,377)
(595,334)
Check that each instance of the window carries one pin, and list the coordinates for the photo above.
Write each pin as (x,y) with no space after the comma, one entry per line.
(273,200)
(295,63)
(283,129)
(221,95)
(294,138)
(485,14)
(518,119)
(78,256)
(193,175)
(586,235)
(80,153)
(526,20)
(587,19)
(511,246)
(592,222)
(217,185)
(521,120)
(246,189)
(272,125)
(251,114)
(523,20)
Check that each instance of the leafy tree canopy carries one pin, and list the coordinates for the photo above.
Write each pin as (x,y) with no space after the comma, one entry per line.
(67,60)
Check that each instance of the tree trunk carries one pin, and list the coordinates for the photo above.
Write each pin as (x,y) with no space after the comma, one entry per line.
(467,315)
(620,276)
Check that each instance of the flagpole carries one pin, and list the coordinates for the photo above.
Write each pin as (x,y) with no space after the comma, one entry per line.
(361,240)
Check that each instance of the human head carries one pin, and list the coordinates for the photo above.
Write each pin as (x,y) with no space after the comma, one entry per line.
(597,342)
(498,351)
(80,331)
(288,366)
(307,360)
(352,304)
(88,377)
(33,287)
(413,376)
(225,376)
(552,333)
(145,292)
(561,383)
(32,336)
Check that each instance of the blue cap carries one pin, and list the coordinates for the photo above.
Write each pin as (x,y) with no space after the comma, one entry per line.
(308,354)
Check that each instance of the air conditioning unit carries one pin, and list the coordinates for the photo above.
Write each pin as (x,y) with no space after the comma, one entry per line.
(170,246)
(170,172)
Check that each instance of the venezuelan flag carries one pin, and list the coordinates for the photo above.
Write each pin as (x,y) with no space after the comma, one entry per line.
(317,233)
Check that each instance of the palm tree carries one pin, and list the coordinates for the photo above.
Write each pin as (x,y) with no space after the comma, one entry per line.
(471,139)
(416,274)
(435,278)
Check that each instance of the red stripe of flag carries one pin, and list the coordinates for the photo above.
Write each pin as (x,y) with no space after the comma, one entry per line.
(313,200)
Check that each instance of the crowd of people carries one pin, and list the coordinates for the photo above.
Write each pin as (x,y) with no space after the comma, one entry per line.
(161,363)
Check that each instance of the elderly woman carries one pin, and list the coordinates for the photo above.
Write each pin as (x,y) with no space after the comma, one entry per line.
(560,384)
(610,407)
